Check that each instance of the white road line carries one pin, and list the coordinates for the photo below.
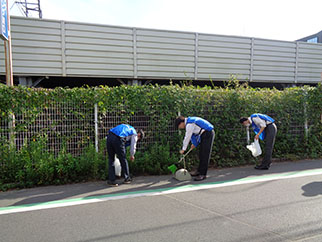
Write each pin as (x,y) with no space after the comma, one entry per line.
(186,188)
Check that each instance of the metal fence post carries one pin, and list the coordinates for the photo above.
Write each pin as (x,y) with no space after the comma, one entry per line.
(251,59)
(96,126)
(306,126)
(135,64)
(63,47)
(196,55)
(248,137)
(296,62)
(12,125)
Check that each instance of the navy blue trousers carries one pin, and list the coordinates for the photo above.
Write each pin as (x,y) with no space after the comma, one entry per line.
(116,145)
(207,140)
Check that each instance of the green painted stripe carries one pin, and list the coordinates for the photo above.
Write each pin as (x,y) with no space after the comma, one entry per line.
(174,189)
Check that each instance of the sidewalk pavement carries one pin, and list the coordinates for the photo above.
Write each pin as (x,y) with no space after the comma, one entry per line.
(143,183)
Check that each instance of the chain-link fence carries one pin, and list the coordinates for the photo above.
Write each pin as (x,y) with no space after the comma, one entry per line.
(72,126)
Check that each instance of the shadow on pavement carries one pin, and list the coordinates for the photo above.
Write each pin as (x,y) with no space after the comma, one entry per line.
(312,189)
(140,183)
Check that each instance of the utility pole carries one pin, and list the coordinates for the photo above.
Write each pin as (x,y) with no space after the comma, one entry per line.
(6,36)
(29,6)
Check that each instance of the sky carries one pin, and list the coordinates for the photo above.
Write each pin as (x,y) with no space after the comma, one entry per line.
(287,20)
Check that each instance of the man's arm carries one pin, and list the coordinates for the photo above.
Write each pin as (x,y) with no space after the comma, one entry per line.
(134,139)
(187,137)
(258,134)
(260,123)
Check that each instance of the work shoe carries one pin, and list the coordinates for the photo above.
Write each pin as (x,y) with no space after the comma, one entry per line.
(127,181)
(200,178)
(194,173)
(112,183)
(261,167)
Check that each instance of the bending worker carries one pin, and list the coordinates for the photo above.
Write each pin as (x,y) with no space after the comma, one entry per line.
(201,131)
(265,129)
(117,140)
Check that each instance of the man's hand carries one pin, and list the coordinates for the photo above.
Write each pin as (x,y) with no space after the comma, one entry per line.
(257,136)
(181,152)
(192,147)
(132,158)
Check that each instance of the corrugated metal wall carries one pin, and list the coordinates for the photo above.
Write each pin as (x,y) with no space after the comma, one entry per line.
(57,48)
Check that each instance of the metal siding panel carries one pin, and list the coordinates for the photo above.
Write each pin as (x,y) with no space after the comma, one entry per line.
(142,56)
(103,42)
(98,35)
(311,51)
(31,37)
(37,64)
(35,57)
(98,47)
(165,63)
(263,42)
(223,38)
(313,80)
(37,44)
(23,50)
(107,51)
(168,75)
(274,54)
(164,46)
(90,53)
(315,65)
(34,30)
(273,79)
(165,69)
(41,23)
(223,50)
(273,63)
(203,43)
(310,74)
(95,66)
(222,71)
(312,46)
(163,33)
(99,60)
(224,55)
(273,59)
(100,73)
(274,68)
(276,49)
(223,66)
(310,56)
(97,28)
(164,52)
(273,73)
(154,39)
(310,61)
(36,71)
(219,76)
(223,60)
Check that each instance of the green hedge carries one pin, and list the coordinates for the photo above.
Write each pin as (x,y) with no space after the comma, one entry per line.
(34,165)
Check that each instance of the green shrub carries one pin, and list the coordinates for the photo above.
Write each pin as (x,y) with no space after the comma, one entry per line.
(33,163)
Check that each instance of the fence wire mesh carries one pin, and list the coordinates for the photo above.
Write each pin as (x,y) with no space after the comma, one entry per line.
(71,126)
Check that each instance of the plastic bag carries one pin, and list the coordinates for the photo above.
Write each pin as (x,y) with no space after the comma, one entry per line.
(255,148)
(117,167)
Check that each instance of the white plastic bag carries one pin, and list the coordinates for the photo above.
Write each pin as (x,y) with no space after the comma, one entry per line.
(255,148)
(117,166)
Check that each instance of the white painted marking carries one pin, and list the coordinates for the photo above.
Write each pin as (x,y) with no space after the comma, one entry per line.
(187,188)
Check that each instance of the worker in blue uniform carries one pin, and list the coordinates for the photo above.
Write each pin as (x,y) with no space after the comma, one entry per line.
(265,129)
(117,140)
(198,131)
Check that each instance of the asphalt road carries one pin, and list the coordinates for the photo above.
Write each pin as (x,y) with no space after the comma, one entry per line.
(237,204)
